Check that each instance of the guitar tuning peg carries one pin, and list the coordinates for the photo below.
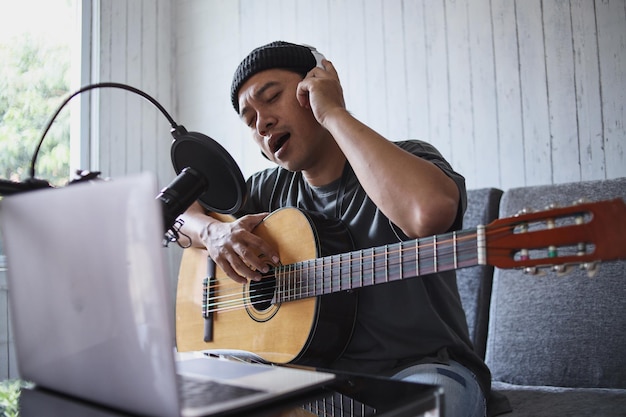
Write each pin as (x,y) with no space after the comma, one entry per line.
(523,211)
(533,270)
(562,270)
(591,268)
(581,201)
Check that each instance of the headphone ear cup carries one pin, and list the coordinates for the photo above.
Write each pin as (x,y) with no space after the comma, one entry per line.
(318,56)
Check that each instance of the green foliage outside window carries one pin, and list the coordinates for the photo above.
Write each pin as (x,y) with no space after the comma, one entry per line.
(34,80)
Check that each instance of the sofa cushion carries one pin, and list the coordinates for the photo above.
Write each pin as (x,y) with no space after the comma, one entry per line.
(542,401)
(553,330)
(475,282)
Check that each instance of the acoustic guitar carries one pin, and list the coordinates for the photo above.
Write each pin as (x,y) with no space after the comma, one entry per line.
(302,311)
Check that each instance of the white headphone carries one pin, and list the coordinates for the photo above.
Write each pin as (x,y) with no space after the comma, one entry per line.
(318,56)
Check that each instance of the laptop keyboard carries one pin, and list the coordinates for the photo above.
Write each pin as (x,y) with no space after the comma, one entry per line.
(197,393)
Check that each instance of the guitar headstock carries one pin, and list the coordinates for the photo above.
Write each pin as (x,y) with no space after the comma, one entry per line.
(582,234)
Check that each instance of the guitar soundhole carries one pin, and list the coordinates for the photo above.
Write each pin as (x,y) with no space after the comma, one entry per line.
(260,299)
(262,293)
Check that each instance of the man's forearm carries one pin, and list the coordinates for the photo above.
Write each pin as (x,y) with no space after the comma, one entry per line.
(414,193)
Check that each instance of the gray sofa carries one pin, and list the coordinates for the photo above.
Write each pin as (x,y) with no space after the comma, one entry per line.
(555,343)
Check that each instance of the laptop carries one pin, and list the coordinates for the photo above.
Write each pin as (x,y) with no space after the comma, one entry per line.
(92,312)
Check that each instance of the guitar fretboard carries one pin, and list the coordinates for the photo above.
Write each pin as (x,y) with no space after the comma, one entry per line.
(379,265)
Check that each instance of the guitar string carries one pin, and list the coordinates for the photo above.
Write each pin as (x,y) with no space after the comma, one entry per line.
(230,298)
(284,272)
(230,295)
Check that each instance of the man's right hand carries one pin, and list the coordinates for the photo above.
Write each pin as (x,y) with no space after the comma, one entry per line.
(236,250)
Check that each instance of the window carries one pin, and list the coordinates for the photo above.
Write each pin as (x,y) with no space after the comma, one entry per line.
(37,39)
(38,43)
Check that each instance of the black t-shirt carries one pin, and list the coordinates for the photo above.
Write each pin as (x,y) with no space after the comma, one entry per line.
(398,324)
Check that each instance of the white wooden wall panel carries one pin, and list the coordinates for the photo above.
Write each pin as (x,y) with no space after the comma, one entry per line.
(535,116)
(436,59)
(134,125)
(486,158)
(104,116)
(587,87)
(394,64)
(461,153)
(114,161)
(148,118)
(203,48)
(372,67)
(611,27)
(416,69)
(135,47)
(509,98)
(561,90)
(513,93)
(348,22)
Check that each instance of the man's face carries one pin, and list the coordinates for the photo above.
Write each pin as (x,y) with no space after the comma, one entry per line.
(286,132)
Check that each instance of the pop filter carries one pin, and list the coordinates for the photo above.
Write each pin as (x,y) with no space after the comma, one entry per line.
(206,171)
(225,188)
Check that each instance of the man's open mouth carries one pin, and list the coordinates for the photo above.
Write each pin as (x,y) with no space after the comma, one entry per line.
(280,142)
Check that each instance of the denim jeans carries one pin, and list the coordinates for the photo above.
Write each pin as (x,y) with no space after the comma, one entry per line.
(462,394)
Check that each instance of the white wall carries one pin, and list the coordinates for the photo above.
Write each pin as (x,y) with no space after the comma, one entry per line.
(513,93)
(134,45)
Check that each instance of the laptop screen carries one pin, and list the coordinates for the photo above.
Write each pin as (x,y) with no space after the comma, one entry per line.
(88,292)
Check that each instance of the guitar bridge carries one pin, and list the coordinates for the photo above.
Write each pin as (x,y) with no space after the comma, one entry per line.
(208,294)
(205,298)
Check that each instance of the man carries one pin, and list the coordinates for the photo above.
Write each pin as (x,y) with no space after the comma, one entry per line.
(384,192)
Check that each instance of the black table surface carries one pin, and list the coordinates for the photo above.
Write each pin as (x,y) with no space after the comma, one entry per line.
(348,395)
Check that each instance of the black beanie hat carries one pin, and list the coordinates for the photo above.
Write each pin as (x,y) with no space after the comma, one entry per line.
(279,54)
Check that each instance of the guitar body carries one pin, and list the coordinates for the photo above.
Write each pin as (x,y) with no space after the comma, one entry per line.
(311,331)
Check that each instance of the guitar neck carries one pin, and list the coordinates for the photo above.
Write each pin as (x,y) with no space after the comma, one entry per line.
(383,264)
